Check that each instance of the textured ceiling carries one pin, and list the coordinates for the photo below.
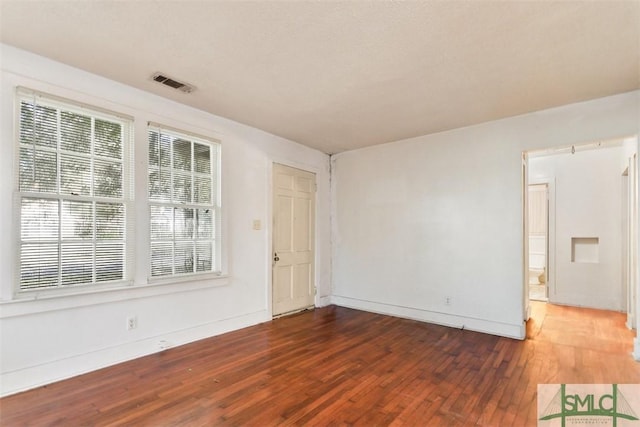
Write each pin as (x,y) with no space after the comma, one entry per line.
(342,75)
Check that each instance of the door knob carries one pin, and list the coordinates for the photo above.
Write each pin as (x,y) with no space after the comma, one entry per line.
(276,258)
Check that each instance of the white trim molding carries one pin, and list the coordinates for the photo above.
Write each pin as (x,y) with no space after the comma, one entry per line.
(323,301)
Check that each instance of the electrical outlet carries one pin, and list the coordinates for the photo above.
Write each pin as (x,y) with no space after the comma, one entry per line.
(447,300)
(132,323)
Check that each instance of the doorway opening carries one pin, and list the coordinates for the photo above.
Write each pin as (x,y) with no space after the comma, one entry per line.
(580,226)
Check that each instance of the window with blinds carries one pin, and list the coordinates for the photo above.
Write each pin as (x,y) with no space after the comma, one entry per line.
(73,193)
(184,203)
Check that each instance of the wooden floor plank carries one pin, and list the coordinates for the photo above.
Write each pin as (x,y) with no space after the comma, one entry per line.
(337,366)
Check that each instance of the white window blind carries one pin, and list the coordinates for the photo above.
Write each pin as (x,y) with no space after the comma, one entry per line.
(184,203)
(74,188)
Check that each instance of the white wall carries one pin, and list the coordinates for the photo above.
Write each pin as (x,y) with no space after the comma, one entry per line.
(437,216)
(588,201)
(48,339)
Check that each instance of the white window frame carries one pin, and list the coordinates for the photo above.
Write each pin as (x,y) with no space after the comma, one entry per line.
(218,261)
(127,124)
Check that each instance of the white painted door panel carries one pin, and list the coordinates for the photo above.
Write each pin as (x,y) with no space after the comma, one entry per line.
(293,239)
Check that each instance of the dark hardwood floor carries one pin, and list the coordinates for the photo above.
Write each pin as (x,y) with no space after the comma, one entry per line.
(337,366)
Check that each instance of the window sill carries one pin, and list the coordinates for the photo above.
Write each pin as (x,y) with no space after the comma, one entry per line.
(199,277)
(38,302)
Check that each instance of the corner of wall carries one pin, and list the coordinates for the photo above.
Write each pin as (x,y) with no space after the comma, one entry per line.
(324,301)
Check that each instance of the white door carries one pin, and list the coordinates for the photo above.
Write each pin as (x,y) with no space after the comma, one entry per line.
(538,241)
(293,239)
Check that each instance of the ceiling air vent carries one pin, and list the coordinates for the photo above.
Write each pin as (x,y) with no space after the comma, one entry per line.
(168,81)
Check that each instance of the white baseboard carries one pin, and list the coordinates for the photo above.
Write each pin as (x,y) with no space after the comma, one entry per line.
(444,319)
(324,301)
(600,303)
(636,349)
(631,321)
(35,376)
